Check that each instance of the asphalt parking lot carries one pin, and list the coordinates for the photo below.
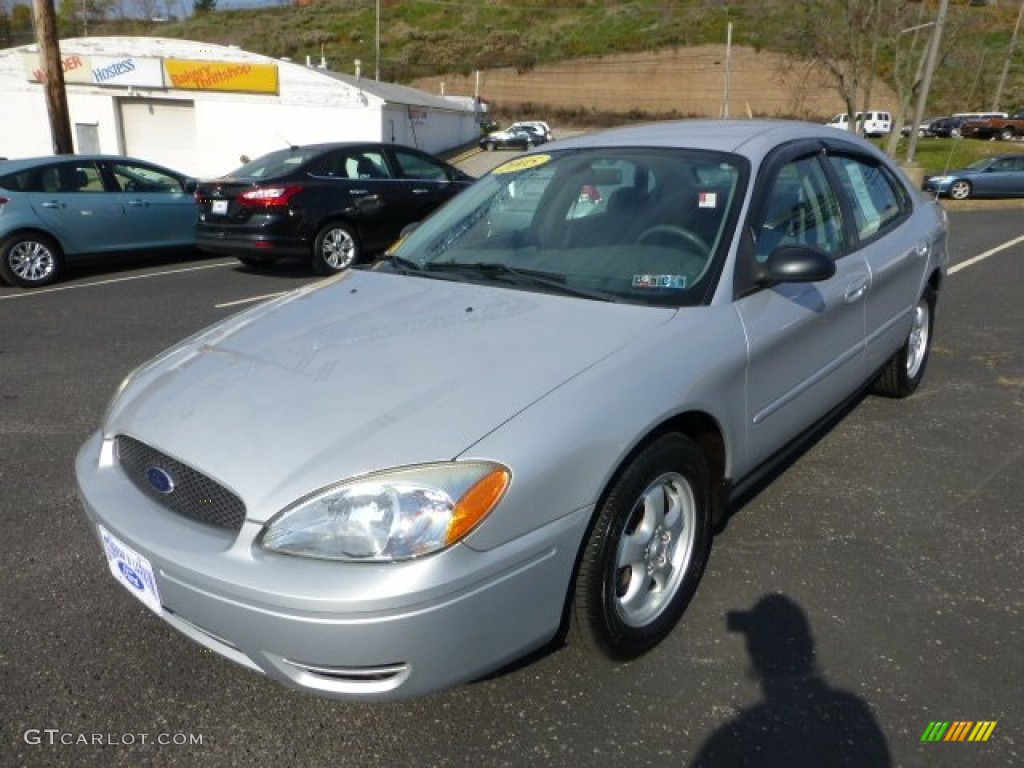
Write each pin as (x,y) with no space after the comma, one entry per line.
(885,565)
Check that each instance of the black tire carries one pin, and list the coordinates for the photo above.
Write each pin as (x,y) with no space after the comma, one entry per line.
(903,373)
(1006,134)
(335,249)
(489,146)
(646,552)
(30,260)
(960,189)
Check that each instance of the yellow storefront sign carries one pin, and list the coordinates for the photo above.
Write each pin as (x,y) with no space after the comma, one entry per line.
(242,76)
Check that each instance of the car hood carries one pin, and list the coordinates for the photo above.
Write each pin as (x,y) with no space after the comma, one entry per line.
(364,372)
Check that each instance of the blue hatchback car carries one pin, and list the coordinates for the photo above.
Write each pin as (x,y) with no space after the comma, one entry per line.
(58,209)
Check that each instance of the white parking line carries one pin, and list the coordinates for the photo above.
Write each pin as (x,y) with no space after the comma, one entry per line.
(952,271)
(76,286)
(982,256)
(251,300)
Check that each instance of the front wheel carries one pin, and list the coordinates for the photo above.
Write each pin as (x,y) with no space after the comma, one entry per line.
(30,260)
(960,189)
(905,369)
(335,249)
(646,553)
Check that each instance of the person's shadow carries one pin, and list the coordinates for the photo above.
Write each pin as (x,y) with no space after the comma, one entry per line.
(802,722)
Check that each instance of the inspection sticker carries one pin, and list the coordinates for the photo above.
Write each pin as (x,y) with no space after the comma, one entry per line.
(659,281)
(707,200)
(522,163)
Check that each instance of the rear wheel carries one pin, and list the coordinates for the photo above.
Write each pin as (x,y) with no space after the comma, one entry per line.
(960,189)
(646,552)
(335,249)
(904,371)
(30,260)
(1006,134)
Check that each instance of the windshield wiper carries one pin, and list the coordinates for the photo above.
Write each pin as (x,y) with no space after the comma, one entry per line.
(403,264)
(516,275)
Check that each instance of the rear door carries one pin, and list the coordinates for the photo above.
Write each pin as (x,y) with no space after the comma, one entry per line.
(896,254)
(357,184)
(74,203)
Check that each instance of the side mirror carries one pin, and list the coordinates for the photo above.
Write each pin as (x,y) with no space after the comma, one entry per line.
(795,264)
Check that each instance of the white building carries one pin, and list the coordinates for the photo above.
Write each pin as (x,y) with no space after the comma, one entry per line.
(198,107)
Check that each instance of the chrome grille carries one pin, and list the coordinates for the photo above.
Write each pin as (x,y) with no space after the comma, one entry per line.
(192,494)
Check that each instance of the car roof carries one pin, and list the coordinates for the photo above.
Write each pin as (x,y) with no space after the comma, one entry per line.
(751,138)
(21,163)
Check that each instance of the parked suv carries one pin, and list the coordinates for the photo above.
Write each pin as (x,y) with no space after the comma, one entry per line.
(875,123)
(328,203)
(538,127)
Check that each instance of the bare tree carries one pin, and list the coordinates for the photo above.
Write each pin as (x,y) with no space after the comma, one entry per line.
(845,37)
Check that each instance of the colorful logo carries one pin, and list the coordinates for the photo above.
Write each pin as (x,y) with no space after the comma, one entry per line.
(958,730)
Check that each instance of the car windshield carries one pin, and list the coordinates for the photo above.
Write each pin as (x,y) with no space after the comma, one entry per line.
(276,163)
(638,225)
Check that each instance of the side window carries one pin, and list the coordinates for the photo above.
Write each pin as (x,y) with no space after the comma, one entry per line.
(366,165)
(142,178)
(416,166)
(22,181)
(65,178)
(877,199)
(801,209)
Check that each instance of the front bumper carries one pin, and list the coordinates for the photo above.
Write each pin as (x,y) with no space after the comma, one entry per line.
(343,630)
(936,187)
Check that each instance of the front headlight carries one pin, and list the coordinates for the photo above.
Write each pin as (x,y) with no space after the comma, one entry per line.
(939,179)
(391,515)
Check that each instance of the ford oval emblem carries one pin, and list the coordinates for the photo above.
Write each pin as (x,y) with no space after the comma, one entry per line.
(160,479)
(129,573)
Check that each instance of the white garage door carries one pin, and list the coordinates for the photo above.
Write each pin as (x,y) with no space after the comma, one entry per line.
(160,131)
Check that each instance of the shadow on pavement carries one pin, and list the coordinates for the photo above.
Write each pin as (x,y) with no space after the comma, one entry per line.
(802,721)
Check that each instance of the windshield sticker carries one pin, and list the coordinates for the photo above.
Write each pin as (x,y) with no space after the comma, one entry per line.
(659,281)
(522,163)
(707,200)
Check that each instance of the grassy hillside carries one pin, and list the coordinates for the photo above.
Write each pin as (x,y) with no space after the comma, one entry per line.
(421,38)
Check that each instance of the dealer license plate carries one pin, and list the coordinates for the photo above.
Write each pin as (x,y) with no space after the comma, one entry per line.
(220,207)
(131,569)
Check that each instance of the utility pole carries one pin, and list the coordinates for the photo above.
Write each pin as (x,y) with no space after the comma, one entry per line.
(1006,64)
(728,67)
(926,83)
(53,83)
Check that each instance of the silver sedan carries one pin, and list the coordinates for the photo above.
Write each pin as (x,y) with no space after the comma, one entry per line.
(528,419)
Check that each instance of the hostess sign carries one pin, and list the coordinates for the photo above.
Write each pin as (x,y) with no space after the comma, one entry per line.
(143,72)
(124,71)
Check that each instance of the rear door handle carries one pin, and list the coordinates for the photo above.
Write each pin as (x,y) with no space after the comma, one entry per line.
(137,203)
(54,204)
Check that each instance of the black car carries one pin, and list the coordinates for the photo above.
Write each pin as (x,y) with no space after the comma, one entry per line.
(328,203)
(513,138)
(946,127)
